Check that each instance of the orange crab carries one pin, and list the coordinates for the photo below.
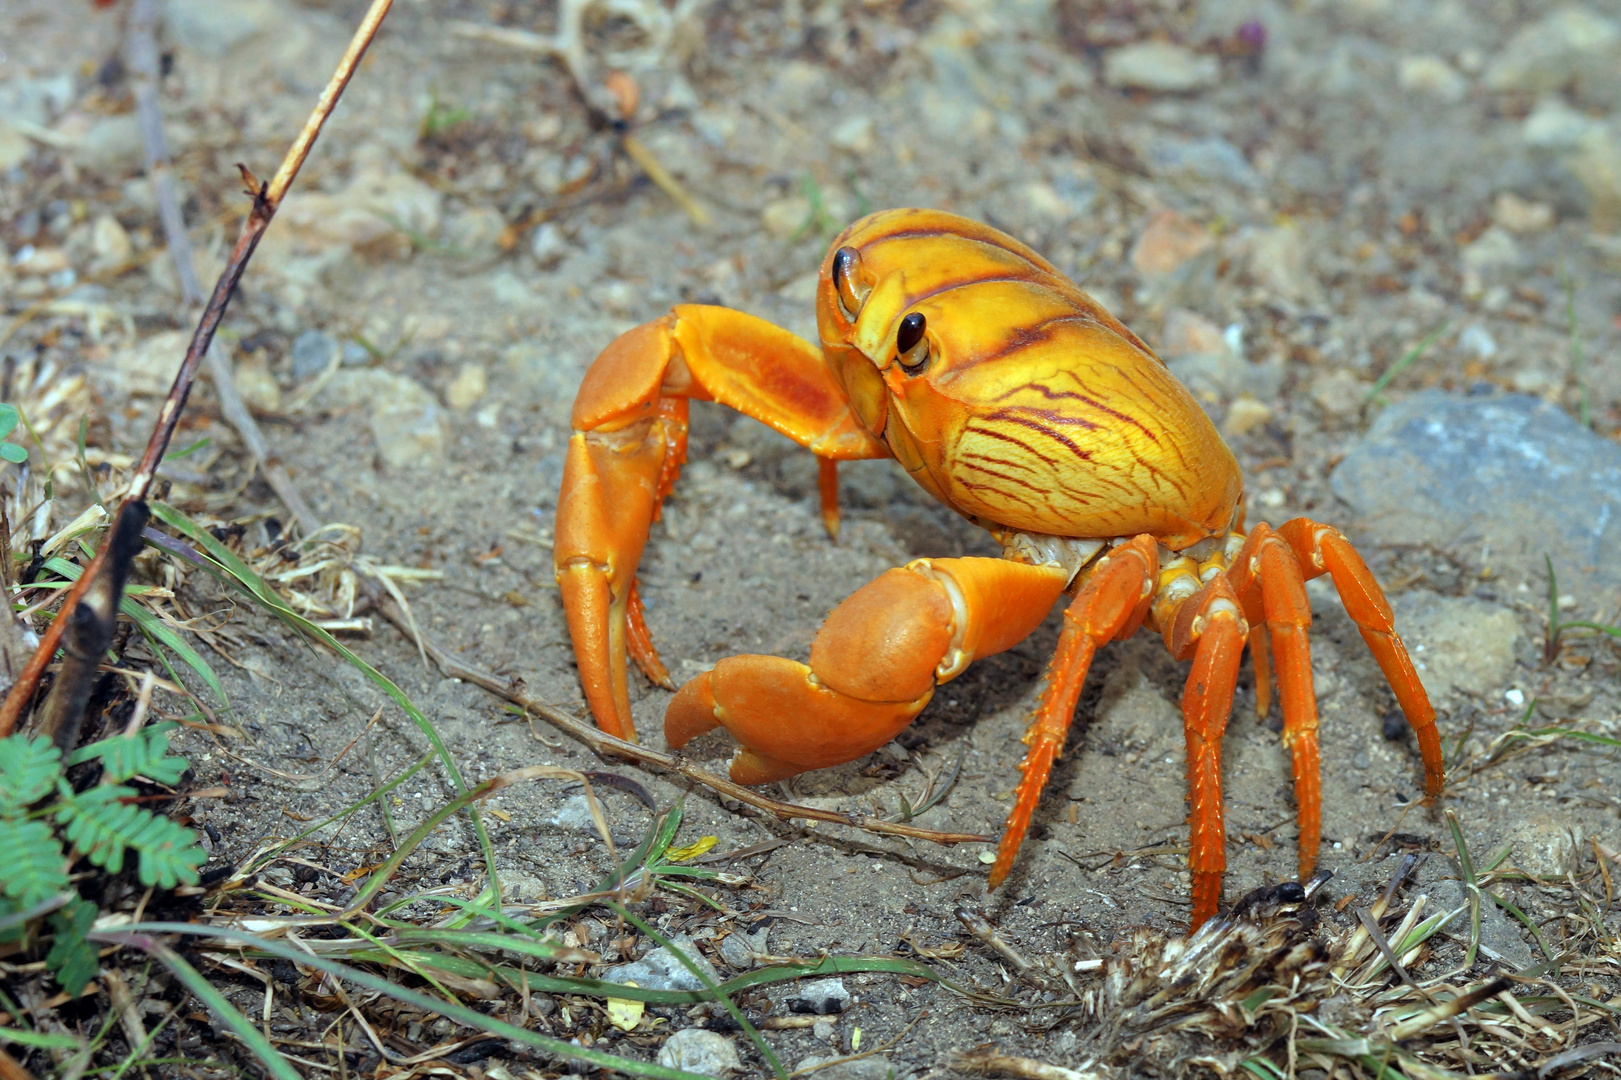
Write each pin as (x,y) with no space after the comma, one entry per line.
(1012,397)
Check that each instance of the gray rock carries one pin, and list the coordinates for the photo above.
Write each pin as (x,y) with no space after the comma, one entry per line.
(660,970)
(475,231)
(1554,125)
(1572,45)
(1509,474)
(739,949)
(1501,939)
(823,996)
(111,144)
(1159,66)
(1596,163)
(1208,158)
(574,815)
(704,1052)
(215,27)
(1493,249)
(36,101)
(1457,642)
(14,147)
(1201,356)
(312,353)
(1546,845)
(406,418)
(1338,392)
(1278,262)
(1432,76)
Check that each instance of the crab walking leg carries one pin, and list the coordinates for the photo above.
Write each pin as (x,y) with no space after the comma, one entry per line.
(629,442)
(1324,549)
(1288,623)
(827,487)
(1242,573)
(873,666)
(1261,660)
(1111,605)
(1211,626)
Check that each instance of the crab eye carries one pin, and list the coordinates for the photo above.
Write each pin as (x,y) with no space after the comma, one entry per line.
(851,292)
(911,347)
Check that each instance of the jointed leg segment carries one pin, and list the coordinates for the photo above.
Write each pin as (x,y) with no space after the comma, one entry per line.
(1111,605)
(1217,634)
(1323,549)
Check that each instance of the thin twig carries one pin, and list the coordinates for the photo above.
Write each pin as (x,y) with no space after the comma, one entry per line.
(141,54)
(90,629)
(603,743)
(266,199)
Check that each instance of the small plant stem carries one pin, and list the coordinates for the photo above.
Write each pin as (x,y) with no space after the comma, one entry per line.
(142,54)
(90,628)
(1399,366)
(603,743)
(1578,359)
(266,199)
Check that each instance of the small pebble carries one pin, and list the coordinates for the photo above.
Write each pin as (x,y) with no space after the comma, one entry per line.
(1170,240)
(825,997)
(468,387)
(312,353)
(1519,215)
(697,1050)
(1245,415)
(1159,66)
(547,244)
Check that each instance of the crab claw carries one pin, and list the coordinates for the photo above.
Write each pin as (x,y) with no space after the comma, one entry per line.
(629,442)
(873,666)
(611,489)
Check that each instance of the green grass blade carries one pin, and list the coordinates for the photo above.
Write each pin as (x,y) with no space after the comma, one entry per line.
(1525,920)
(655,844)
(154,628)
(1401,365)
(136,936)
(226,565)
(41,1040)
(702,976)
(194,981)
(524,945)
(1471,886)
(354,808)
(597,988)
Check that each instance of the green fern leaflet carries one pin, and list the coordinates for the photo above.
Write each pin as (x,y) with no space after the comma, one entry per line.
(35,868)
(145,753)
(103,827)
(28,771)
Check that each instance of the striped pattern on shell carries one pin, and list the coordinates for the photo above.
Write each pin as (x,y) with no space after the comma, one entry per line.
(1037,410)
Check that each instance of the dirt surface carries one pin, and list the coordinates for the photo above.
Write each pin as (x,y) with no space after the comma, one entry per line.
(1285,222)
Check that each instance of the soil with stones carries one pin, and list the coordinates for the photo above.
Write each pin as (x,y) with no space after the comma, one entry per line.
(1313,211)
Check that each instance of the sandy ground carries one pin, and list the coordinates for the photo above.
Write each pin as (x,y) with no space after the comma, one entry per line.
(1284,224)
